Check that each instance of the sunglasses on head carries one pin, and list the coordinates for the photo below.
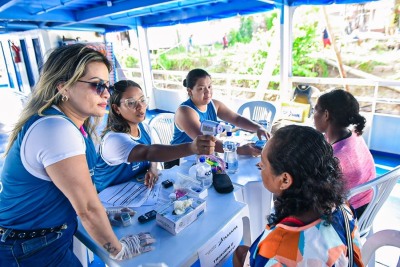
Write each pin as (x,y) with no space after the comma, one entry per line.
(100,86)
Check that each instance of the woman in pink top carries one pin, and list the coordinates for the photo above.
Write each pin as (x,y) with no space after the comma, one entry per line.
(334,112)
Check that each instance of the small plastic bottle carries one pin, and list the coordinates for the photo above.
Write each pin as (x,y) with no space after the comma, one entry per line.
(230,153)
(204,173)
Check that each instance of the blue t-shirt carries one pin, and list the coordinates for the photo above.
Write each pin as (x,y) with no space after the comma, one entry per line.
(29,202)
(107,174)
(180,136)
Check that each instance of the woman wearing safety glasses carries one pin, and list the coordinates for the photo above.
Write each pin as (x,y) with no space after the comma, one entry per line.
(126,149)
(50,158)
(125,129)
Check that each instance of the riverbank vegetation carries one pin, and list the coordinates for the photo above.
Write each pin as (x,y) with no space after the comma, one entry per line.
(254,49)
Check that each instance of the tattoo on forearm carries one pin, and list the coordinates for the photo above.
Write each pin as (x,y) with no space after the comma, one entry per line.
(109,248)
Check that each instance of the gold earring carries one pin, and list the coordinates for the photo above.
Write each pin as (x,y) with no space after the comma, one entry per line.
(64,98)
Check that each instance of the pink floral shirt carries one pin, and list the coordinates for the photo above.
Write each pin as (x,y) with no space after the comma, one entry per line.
(357,165)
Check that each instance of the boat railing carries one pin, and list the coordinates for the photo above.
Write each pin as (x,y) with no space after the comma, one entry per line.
(244,86)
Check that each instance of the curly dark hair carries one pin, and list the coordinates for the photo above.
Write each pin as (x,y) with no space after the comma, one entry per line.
(343,109)
(116,122)
(317,185)
(193,76)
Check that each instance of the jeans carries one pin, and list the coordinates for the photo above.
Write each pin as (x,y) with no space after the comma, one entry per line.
(53,249)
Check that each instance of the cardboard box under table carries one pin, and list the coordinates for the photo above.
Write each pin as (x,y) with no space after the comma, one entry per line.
(167,219)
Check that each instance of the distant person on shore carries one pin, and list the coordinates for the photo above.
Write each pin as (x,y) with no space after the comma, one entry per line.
(189,45)
(390,23)
(200,107)
(325,39)
(225,41)
(334,112)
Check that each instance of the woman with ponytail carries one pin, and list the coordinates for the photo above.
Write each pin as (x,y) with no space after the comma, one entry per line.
(334,113)
(201,106)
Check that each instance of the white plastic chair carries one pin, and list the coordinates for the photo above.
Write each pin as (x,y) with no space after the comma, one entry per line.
(258,110)
(163,126)
(381,186)
(377,240)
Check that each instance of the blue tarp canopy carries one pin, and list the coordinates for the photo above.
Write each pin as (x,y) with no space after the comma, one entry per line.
(118,15)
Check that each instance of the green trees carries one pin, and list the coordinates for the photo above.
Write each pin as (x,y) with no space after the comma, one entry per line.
(131,62)
(305,44)
(249,47)
(245,32)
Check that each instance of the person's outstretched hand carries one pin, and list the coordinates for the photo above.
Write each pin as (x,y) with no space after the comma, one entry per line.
(151,177)
(203,145)
(263,132)
(249,149)
(133,245)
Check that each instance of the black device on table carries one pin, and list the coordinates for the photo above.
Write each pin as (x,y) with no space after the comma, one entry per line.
(148,216)
(167,183)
